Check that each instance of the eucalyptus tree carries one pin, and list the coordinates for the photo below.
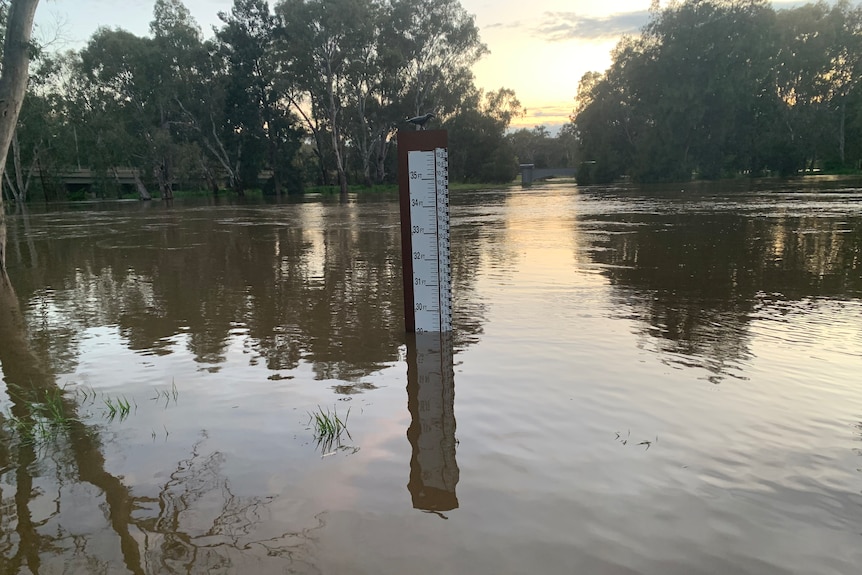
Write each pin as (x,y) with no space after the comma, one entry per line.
(718,87)
(439,42)
(803,60)
(692,94)
(325,40)
(606,117)
(712,60)
(567,146)
(258,128)
(136,97)
(361,66)
(184,73)
(479,150)
(305,100)
(529,144)
(818,66)
(369,94)
(854,130)
(140,93)
(43,144)
(122,82)
(425,51)
(13,86)
(537,146)
(242,43)
(846,71)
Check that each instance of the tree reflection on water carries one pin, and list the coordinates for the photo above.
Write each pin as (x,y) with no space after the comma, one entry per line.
(294,287)
(319,286)
(309,283)
(696,281)
(196,524)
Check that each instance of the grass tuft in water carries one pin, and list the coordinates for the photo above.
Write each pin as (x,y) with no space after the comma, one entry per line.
(328,428)
(88,395)
(117,406)
(41,416)
(167,395)
(45,418)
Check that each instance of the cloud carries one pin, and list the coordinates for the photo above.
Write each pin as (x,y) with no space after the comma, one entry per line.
(552,116)
(551,111)
(515,24)
(785,4)
(561,26)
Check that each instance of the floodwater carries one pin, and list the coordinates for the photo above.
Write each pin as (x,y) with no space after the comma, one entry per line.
(640,381)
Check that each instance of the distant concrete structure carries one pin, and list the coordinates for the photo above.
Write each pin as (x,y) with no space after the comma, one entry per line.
(529,173)
(87,177)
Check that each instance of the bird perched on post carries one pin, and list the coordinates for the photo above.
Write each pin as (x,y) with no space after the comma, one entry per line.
(420,121)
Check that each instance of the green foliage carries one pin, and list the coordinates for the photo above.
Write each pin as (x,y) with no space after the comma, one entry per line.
(479,150)
(117,407)
(44,417)
(302,93)
(256,127)
(39,416)
(328,428)
(537,147)
(715,88)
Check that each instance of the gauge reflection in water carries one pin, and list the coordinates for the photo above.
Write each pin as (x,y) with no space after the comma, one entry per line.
(431,401)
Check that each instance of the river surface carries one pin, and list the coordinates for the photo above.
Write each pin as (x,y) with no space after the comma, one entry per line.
(643,381)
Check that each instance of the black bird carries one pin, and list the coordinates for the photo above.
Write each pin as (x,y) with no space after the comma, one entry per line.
(420,121)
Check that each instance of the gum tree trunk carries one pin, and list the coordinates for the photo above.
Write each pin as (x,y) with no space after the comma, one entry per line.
(13,85)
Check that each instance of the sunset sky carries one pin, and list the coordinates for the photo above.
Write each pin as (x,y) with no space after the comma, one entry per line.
(540,49)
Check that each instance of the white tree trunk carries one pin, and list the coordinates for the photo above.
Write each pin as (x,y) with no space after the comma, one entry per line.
(13,86)
(336,132)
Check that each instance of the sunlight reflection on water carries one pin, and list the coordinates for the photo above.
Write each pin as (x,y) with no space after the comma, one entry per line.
(641,383)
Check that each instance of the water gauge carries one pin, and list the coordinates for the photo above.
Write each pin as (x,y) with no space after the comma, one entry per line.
(424,186)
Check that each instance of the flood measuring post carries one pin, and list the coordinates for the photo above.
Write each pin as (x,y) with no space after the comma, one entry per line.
(434,469)
(423,182)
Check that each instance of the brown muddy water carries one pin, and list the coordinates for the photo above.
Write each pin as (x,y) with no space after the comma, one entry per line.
(639,381)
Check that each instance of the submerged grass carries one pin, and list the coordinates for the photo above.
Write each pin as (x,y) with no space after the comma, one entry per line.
(114,406)
(117,406)
(328,428)
(167,395)
(39,416)
(44,415)
(328,422)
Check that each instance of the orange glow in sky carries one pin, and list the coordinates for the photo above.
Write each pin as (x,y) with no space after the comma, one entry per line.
(539,49)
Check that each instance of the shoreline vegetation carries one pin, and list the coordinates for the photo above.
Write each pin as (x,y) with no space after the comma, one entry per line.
(714,89)
(257,194)
(707,90)
(290,96)
(325,191)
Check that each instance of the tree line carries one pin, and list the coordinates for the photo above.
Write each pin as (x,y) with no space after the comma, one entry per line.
(721,88)
(308,92)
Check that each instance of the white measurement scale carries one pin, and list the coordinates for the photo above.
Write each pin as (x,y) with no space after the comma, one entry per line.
(429,238)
